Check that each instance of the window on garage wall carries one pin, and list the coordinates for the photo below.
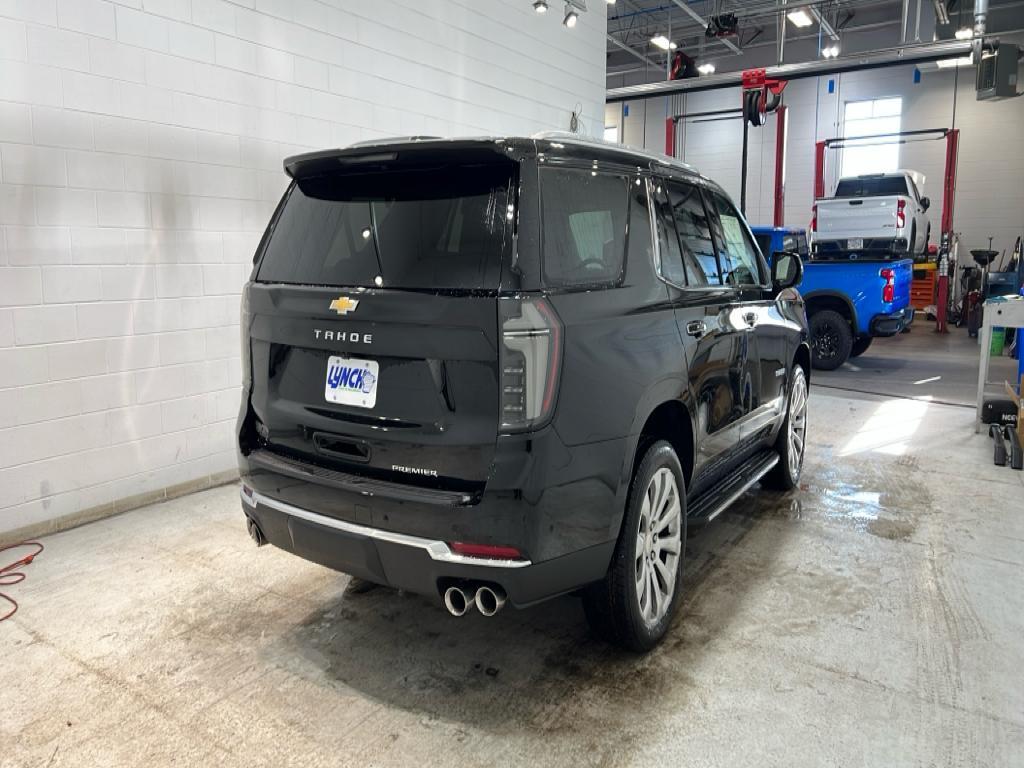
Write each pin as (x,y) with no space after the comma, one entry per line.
(870,118)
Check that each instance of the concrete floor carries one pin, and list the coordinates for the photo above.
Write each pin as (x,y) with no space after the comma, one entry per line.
(872,618)
(921,364)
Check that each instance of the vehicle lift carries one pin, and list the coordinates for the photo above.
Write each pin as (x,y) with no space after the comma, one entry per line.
(762,95)
(952,138)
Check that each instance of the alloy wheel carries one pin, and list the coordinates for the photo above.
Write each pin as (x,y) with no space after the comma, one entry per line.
(797,422)
(658,546)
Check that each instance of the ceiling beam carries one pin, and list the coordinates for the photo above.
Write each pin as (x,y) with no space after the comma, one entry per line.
(827,28)
(703,22)
(629,49)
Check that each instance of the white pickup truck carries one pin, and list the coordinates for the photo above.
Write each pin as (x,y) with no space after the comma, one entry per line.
(879,215)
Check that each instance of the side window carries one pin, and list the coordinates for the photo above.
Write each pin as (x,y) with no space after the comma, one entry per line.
(584,226)
(740,264)
(694,232)
(671,257)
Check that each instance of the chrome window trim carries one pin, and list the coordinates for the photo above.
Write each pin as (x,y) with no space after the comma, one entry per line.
(438,550)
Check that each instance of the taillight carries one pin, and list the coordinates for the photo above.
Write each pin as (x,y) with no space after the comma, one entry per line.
(889,289)
(814,218)
(530,358)
(901,214)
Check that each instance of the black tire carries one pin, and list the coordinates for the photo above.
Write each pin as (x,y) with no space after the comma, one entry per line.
(785,476)
(911,245)
(860,345)
(612,606)
(831,340)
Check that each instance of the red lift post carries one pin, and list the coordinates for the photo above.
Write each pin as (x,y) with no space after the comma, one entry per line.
(753,80)
(952,137)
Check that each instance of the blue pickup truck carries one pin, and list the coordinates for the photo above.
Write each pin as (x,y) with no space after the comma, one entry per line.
(849,301)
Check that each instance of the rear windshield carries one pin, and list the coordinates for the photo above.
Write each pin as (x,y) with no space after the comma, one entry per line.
(442,227)
(872,186)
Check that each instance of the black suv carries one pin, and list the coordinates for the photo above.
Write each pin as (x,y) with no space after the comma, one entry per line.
(506,369)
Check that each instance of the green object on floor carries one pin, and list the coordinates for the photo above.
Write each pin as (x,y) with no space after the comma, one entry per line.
(998,341)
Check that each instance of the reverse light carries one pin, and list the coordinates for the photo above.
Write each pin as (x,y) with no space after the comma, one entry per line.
(889,289)
(529,359)
(489,551)
(901,214)
(814,218)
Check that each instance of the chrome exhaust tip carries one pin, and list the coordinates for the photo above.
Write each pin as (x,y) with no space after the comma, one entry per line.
(254,532)
(490,600)
(457,601)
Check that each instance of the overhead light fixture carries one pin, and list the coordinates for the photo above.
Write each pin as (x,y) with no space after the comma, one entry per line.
(950,63)
(540,6)
(706,69)
(964,33)
(662,42)
(800,18)
(571,16)
(830,52)
(611,2)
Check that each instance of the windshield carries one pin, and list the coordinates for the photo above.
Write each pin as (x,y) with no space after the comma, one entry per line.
(439,227)
(872,186)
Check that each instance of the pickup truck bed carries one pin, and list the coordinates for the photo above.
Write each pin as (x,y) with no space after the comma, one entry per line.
(874,216)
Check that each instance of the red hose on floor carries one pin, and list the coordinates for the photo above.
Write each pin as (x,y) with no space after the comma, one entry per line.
(10,575)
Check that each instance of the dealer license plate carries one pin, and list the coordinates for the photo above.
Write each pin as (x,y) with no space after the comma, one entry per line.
(351,381)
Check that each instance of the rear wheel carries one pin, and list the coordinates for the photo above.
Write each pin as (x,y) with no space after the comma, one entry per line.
(792,438)
(860,345)
(831,340)
(633,606)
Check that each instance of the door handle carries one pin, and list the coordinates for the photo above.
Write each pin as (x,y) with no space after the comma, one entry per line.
(696,328)
(750,318)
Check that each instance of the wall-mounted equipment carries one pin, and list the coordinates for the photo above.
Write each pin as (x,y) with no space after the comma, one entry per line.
(997,72)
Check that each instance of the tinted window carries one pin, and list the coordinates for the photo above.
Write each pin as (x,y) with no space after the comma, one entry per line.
(871,186)
(584,230)
(736,250)
(694,232)
(668,242)
(438,227)
(796,243)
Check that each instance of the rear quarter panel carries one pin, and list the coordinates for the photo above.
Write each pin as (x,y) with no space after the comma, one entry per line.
(861,283)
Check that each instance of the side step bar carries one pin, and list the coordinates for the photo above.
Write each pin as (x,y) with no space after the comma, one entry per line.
(714,501)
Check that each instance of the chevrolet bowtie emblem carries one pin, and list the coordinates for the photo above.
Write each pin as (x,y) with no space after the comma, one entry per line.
(343,305)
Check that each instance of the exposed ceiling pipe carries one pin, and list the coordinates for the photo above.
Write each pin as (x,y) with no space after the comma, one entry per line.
(941,14)
(910,54)
(629,49)
(980,15)
(827,28)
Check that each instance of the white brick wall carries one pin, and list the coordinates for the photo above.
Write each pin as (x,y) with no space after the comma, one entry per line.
(140,157)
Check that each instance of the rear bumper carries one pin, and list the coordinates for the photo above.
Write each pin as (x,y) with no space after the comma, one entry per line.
(890,325)
(873,247)
(560,506)
(413,563)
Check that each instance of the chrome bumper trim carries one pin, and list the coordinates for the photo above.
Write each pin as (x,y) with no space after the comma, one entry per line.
(438,550)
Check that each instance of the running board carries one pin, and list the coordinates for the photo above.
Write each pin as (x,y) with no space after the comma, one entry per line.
(714,501)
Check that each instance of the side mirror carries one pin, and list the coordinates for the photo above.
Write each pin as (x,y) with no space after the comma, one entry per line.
(787,270)
(926,203)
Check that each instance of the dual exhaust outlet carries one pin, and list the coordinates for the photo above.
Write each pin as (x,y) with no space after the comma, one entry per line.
(488,600)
